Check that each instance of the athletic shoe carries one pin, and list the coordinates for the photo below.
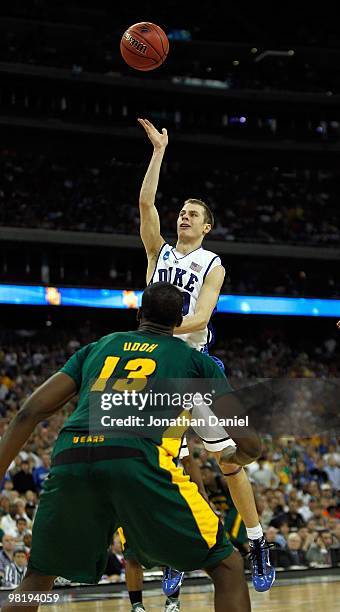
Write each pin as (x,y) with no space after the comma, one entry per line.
(60,581)
(172,580)
(172,605)
(263,573)
(138,607)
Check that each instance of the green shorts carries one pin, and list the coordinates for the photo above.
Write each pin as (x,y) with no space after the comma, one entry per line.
(93,489)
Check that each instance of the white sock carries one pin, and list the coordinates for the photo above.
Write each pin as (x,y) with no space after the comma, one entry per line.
(255,533)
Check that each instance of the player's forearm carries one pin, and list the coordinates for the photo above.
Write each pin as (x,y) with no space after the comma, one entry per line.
(150,183)
(192,323)
(17,433)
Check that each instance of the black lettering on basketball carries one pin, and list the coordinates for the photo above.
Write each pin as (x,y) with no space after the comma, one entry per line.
(134,42)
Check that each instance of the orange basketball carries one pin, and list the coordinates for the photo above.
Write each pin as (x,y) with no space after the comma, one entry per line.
(144,46)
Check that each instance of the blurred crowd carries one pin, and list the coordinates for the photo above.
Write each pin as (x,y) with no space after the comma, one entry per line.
(293,72)
(272,205)
(296,481)
(94,44)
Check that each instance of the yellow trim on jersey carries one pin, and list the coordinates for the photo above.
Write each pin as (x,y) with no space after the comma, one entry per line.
(236,526)
(177,431)
(172,446)
(206,520)
(122,537)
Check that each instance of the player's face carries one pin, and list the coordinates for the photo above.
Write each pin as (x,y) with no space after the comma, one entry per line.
(191,223)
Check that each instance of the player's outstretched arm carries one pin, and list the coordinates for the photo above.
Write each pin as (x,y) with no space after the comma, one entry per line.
(149,219)
(44,402)
(206,303)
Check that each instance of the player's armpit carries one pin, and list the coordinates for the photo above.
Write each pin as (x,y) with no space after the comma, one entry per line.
(206,303)
(44,402)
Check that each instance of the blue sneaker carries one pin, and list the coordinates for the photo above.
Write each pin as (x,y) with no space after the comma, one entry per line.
(263,573)
(172,580)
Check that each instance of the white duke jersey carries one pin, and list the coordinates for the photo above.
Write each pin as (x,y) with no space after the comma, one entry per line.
(188,273)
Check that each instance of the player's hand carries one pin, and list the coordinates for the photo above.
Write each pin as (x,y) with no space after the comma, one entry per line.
(338,324)
(158,139)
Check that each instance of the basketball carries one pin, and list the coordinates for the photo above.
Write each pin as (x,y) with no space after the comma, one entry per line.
(144,46)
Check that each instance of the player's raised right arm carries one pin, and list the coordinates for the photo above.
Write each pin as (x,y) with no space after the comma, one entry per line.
(149,219)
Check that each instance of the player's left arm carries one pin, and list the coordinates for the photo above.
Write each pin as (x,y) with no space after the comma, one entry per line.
(43,403)
(206,303)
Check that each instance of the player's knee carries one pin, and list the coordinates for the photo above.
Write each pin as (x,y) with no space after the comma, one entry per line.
(251,448)
(234,562)
(232,565)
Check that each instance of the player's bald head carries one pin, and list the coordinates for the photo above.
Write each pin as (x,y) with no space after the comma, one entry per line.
(162,303)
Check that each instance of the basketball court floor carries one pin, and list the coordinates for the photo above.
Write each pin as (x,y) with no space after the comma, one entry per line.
(323,595)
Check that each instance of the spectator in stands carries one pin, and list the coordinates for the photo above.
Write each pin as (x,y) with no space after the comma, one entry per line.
(303,533)
(115,562)
(4,504)
(314,489)
(265,508)
(333,473)
(280,498)
(274,537)
(21,511)
(27,541)
(318,472)
(333,453)
(301,475)
(336,531)
(292,517)
(295,553)
(284,531)
(265,475)
(7,487)
(23,480)
(307,511)
(21,530)
(318,517)
(16,570)
(30,509)
(8,522)
(319,552)
(6,554)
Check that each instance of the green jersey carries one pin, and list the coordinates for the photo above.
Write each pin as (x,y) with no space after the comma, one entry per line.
(136,355)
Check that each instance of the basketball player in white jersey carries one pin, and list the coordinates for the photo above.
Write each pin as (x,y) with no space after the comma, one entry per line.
(200,275)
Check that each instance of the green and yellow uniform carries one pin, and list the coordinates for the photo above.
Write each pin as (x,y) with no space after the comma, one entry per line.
(98,483)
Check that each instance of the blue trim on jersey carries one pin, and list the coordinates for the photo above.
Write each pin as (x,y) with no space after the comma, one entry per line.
(156,264)
(217,360)
(209,266)
(178,258)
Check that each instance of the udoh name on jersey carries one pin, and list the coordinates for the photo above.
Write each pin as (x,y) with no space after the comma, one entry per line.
(144,347)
